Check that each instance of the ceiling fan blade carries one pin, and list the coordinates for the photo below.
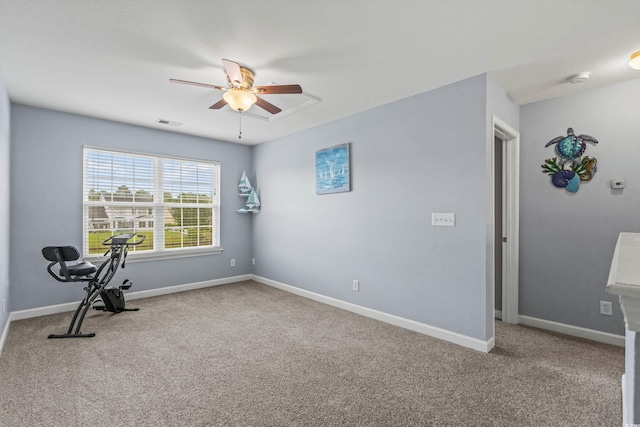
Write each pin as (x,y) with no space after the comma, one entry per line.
(186,82)
(267,106)
(218,105)
(278,89)
(233,72)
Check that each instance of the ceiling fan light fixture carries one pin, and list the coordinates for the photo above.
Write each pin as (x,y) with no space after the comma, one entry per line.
(634,61)
(239,100)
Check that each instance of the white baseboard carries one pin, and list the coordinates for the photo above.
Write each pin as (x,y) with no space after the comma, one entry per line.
(70,306)
(43,311)
(575,331)
(5,334)
(186,287)
(432,331)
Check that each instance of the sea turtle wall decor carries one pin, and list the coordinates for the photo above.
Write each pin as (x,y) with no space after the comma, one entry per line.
(569,149)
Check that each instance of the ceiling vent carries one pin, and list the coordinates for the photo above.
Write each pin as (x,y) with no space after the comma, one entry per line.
(168,122)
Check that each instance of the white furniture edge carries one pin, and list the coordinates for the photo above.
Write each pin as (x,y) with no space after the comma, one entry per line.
(625,283)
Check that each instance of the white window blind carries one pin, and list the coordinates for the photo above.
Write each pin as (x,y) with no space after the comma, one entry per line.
(173,202)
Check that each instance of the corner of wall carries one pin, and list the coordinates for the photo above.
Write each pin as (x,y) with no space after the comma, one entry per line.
(5,136)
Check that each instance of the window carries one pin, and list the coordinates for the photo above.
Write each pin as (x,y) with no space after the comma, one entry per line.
(173,202)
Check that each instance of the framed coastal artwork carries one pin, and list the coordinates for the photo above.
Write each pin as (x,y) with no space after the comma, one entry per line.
(333,171)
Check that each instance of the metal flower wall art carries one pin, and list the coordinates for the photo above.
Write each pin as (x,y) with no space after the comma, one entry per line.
(569,168)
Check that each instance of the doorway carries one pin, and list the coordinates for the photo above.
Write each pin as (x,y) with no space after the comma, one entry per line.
(499,148)
(505,254)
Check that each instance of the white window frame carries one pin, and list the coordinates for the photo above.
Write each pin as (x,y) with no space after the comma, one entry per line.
(159,251)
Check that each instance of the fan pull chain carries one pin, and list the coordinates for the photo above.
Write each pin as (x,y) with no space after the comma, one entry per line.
(240,120)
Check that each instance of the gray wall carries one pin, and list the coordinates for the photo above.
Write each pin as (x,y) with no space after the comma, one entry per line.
(46,201)
(567,240)
(410,158)
(499,103)
(4,202)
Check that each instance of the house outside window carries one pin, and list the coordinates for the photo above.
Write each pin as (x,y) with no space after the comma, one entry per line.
(173,202)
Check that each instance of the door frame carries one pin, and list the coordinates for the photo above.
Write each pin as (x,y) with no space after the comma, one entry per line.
(510,220)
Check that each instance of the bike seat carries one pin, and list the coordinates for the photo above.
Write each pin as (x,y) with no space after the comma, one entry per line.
(78,272)
(83,268)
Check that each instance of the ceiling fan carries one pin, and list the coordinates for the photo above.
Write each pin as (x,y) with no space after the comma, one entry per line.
(241,94)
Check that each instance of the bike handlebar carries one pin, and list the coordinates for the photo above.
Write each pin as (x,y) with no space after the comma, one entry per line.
(123,240)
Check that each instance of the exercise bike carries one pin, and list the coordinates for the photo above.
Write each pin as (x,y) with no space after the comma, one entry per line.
(98,293)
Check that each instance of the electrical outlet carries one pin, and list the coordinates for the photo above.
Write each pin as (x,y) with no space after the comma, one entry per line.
(606,308)
(233,262)
(356,285)
(253,261)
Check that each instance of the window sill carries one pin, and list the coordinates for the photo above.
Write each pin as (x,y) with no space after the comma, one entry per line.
(133,257)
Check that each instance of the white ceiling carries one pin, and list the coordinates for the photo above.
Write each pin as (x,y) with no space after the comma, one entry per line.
(113,59)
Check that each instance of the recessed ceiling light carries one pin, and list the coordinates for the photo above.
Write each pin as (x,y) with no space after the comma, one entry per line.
(634,61)
(580,77)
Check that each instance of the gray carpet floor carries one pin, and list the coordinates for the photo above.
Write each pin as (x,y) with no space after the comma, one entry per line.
(249,355)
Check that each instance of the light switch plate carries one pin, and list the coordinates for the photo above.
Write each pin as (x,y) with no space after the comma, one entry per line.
(443,219)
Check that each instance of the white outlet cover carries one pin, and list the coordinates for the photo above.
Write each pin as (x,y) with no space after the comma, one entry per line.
(606,308)
(443,219)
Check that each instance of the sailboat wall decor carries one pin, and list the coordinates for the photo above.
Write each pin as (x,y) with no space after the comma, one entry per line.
(253,202)
(246,190)
(244,186)
(333,170)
